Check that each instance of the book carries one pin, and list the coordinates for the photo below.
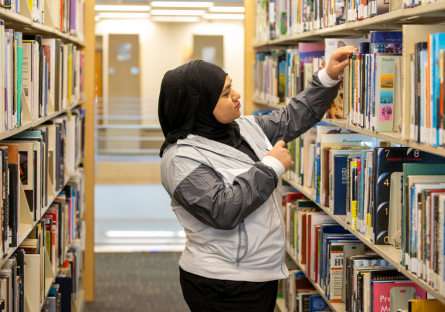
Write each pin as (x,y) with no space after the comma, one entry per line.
(336,111)
(386,161)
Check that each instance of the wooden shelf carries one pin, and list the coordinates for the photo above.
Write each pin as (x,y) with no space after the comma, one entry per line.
(281,305)
(394,137)
(11,133)
(425,14)
(27,26)
(269,104)
(387,252)
(35,123)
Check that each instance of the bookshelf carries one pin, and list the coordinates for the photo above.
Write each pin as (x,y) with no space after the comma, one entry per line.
(24,23)
(337,307)
(281,305)
(387,252)
(432,13)
(426,14)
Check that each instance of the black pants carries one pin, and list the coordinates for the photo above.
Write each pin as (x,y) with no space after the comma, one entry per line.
(212,295)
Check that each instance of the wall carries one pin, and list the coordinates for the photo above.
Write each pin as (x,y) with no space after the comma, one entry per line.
(163,44)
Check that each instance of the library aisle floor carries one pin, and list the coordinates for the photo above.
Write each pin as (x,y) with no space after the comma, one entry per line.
(135,217)
(137,282)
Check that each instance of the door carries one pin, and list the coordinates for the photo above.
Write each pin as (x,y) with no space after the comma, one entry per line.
(123,66)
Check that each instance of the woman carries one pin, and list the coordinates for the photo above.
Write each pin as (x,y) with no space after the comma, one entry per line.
(222,172)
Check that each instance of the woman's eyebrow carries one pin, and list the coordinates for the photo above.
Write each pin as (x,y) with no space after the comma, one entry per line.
(226,87)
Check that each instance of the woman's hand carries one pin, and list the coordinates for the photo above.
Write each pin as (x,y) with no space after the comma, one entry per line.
(338,61)
(280,152)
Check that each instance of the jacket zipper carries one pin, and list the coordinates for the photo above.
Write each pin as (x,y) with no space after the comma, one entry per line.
(282,230)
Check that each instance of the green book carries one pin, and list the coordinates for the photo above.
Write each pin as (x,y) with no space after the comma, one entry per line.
(411,170)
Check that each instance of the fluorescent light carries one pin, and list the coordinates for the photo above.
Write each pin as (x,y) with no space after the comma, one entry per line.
(122,15)
(224,16)
(222,9)
(122,8)
(134,234)
(177,12)
(185,4)
(175,19)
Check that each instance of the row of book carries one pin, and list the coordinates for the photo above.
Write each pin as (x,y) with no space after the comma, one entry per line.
(41,76)
(53,250)
(280,75)
(35,164)
(345,269)
(278,19)
(389,194)
(373,88)
(300,294)
(66,16)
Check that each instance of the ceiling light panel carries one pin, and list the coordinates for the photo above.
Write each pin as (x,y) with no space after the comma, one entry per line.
(222,9)
(176,4)
(122,15)
(178,12)
(224,16)
(175,19)
(123,8)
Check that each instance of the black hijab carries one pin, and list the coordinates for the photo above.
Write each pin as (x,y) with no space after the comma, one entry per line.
(189,95)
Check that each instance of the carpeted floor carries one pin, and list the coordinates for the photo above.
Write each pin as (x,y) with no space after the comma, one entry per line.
(137,282)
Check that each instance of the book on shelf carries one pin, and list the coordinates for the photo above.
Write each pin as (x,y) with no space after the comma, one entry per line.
(346,270)
(280,19)
(337,109)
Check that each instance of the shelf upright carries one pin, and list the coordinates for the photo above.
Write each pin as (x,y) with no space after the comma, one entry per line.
(90,94)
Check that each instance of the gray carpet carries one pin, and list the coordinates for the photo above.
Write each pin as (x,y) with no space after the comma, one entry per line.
(137,282)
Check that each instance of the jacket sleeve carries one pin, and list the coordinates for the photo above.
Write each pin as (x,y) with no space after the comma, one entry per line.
(204,195)
(302,112)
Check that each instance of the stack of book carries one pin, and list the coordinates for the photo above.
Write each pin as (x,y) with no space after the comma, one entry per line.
(341,266)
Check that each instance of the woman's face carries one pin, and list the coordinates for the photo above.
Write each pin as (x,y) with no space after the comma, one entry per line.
(228,107)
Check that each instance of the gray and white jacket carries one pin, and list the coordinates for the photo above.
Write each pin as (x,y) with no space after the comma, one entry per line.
(230,206)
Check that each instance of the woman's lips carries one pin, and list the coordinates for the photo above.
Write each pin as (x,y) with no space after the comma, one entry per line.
(239,105)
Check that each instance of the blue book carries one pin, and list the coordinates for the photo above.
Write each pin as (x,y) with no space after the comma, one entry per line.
(317,303)
(386,42)
(340,182)
(329,228)
(261,112)
(317,179)
(364,48)
(328,238)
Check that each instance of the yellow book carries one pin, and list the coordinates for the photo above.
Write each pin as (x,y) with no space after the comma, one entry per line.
(426,305)
(70,74)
